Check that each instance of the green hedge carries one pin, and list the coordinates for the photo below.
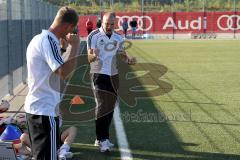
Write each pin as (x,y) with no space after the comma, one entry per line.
(93,7)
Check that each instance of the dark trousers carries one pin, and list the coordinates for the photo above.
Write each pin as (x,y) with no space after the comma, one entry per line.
(44,136)
(105,91)
(125,32)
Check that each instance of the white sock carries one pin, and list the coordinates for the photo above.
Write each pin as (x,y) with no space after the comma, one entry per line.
(65,147)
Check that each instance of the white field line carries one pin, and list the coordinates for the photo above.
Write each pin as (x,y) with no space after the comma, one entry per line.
(125,152)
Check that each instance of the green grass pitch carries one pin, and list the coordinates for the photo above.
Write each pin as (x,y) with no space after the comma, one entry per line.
(197,119)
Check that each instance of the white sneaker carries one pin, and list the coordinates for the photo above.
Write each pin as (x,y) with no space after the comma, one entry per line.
(22,157)
(104,147)
(96,143)
(63,155)
(111,145)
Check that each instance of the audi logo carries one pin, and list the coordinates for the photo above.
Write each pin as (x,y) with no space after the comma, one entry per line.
(232,22)
(142,21)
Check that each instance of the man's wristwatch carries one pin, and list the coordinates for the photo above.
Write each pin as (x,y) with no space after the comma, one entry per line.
(63,50)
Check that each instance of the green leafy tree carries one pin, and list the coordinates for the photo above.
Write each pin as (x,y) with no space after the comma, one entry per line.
(95,6)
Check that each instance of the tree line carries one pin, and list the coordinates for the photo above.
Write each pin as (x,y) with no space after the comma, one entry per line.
(96,6)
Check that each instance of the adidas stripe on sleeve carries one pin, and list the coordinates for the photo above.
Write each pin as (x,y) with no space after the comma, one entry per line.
(51,53)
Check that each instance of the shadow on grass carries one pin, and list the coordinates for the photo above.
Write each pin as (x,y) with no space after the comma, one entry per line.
(163,139)
(89,152)
(149,133)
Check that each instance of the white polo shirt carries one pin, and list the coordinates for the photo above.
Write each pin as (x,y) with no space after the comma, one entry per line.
(43,58)
(106,62)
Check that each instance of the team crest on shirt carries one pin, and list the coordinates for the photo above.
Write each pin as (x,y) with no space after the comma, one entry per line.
(115,43)
(101,42)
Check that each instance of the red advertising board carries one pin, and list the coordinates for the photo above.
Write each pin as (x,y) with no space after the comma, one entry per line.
(82,24)
(176,22)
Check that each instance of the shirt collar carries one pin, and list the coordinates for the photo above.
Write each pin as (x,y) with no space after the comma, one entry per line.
(52,35)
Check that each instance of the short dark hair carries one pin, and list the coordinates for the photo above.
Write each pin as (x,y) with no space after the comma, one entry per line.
(67,15)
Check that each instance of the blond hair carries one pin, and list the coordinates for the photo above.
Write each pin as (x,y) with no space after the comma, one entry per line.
(67,15)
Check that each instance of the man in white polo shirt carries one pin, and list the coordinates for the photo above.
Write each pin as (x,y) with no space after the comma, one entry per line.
(103,46)
(43,59)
